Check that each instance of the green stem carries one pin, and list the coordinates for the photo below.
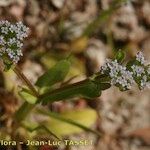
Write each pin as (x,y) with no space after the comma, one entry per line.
(25,80)
(26,107)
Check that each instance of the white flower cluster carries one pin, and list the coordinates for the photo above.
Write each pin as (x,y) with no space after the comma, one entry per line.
(141,73)
(11,37)
(138,70)
(144,82)
(124,78)
(140,57)
(119,75)
(148,70)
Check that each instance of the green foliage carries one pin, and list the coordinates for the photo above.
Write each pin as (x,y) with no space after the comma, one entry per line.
(120,55)
(54,75)
(104,86)
(7,63)
(27,96)
(130,64)
(23,111)
(35,127)
(86,89)
(72,121)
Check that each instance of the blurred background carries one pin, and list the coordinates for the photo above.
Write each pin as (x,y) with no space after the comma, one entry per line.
(90,31)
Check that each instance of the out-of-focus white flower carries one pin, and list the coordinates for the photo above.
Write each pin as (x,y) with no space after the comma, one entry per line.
(140,57)
(148,70)
(122,77)
(143,82)
(119,75)
(11,38)
(138,70)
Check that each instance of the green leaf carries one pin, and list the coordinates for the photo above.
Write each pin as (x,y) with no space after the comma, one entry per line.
(71,122)
(131,63)
(120,56)
(105,79)
(23,111)
(7,63)
(36,127)
(102,81)
(27,96)
(55,74)
(85,89)
(104,86)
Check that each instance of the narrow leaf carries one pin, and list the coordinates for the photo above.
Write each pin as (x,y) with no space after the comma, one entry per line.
(55,74)
(85,89)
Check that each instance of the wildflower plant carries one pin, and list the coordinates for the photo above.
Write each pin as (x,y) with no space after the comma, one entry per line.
(11,38)
(113,73)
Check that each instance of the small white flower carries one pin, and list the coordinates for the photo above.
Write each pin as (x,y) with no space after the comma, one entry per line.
(11,37)
(148,84)
(4,30)
(138,70)
(148,70)
(2,41)
(124,78)
(143,82)
(119,74)
(140,57)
